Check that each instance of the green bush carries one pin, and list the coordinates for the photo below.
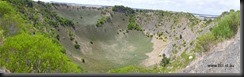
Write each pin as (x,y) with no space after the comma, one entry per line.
(11,22)
(26,53)
(101,21)
(71,36)
(132,24)
(204,42)
(164,61)
(227,26)
(160,34)
(5,8)
(77,46)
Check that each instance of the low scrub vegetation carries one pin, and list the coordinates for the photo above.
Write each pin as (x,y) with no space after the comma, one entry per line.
(204,42)
(132,24)
(11,21)
(26,53)
(101,21)
(77,46)
(226,28)
(25,48)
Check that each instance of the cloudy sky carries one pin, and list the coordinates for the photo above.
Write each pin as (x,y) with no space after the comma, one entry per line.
(213,7)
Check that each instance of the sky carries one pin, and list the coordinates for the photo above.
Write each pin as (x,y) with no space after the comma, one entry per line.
(212,7)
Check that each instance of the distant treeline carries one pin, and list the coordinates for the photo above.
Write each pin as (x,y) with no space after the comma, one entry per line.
(122,9)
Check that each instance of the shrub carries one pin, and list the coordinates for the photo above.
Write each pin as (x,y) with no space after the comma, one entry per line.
(11,21)
(132,24)
(227,26)
(160,34)
(77,46)
(71,36)
(204,42)
(5,8)
(191,43)
(164,61)
(101,21)
(26,53)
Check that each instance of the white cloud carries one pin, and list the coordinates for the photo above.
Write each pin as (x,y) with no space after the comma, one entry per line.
(215,7)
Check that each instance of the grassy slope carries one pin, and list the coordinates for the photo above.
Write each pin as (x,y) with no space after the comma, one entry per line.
(109,49)
(82,17)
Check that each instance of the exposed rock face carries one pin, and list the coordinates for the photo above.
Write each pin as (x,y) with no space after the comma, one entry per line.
(4,70)
(227,52)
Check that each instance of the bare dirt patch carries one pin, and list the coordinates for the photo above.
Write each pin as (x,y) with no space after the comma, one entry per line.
(76,57)
(153,56)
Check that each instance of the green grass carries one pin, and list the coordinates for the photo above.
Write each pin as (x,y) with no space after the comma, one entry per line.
(132,69)
(178,63)
(89,17)
(109,49)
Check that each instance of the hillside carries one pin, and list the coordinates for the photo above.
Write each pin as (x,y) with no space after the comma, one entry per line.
(112,39)
(224,50)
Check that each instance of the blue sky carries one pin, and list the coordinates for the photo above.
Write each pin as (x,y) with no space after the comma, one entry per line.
(213,7)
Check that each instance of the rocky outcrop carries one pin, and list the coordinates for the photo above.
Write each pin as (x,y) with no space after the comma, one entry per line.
(224,58)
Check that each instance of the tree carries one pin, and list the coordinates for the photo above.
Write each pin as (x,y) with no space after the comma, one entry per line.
(232,10)
(180,36)
(26,53)
(122,9)
(164,61)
